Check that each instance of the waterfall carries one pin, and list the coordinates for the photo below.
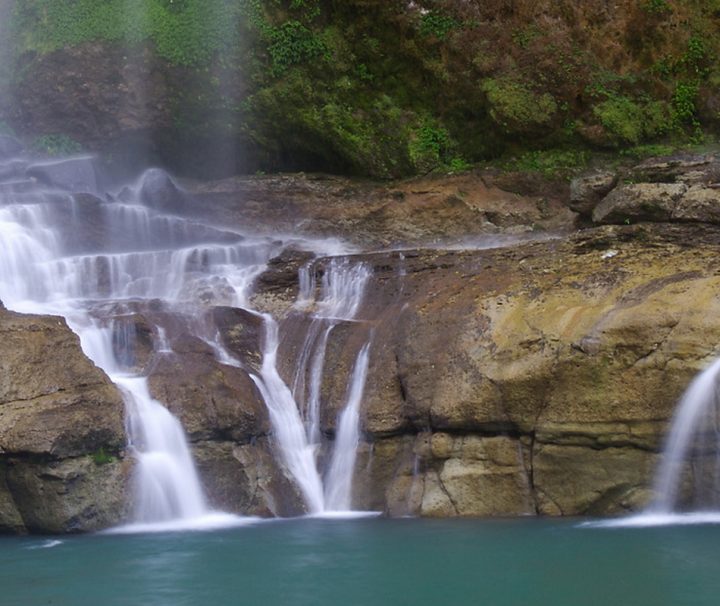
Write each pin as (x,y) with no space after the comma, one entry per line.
(338,489)
(687,482)
(297,452)
(136,246)
(693,441)
(139,253)
(298,435)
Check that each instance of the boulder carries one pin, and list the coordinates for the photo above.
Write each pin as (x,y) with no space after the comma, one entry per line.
(587,190)
(242,333)
(700,204)
(213,401)
(635,202)
(62,438)
(72,174)
(691,169)
(158,191)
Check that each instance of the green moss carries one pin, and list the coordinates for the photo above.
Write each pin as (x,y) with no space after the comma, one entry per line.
(550,162)
(629,122)
(56,145)
(187,32)
(516,108)
(102,457)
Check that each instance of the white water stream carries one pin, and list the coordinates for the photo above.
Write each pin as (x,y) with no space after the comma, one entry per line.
(77,256)
(297,426)
(694,427)
(687,482)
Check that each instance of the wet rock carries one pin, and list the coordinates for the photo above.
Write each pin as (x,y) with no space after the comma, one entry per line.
(158,191)
(691,169)
(72,174)
(12,169)
(639,202)
(243,333)
(586,191)
(71,495)
(61,431)
(246,479)
(209,291)
(133,342)
(212,400)
(701,204)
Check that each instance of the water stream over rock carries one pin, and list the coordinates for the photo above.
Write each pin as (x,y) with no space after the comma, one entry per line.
(69,248)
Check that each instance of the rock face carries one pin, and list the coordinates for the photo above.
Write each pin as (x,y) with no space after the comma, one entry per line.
(537,378)
(680,188)
(413,213)
(224,416)
(62,465)
(507,376)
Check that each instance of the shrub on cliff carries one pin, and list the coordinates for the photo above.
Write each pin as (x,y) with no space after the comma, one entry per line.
(376,87)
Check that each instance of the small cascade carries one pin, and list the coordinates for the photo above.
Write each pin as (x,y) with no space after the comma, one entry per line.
(297,451)
(137,247)
(295,414)
(338,481)
(692,450)
(132,251)
(167,484)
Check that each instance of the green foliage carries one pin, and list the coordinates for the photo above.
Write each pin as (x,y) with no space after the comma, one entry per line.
(185,32)
(428,146)
(683,102)
(102,457)
(390,88)
(56,145)
(437,24)
(292,43)
(657,7)
(517,108)
(550,162)
(638,152)
(458,165)
(629,121)
(695,55)
(523,37)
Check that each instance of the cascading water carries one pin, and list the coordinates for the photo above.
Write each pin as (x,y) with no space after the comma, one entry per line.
(338,485)
(687,482)
(295,414)
(692,447)
(129,252)
(133,249)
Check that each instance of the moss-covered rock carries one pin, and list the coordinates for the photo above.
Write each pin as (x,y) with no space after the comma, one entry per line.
(364,87)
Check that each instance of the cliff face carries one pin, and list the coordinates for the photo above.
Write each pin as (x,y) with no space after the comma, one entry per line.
(515,372)
(62,439)
(365,87)
(538,378)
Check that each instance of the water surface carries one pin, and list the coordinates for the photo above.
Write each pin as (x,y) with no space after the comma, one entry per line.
(369,562)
